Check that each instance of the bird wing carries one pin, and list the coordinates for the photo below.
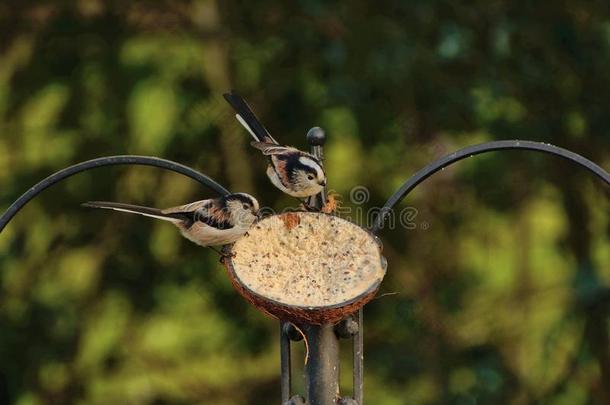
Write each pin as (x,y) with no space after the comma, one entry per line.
(188,208)
(208,212)
(280,168)
(247,118)
(272,149)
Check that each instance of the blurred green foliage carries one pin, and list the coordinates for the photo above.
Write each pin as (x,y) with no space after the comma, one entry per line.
(503,285)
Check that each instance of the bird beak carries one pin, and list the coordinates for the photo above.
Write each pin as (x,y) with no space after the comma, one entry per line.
(323,184)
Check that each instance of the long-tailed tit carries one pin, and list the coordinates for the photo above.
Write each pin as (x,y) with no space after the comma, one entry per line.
(213,222)
(296,173)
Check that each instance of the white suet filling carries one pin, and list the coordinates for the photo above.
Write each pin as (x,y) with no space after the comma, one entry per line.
(322,260)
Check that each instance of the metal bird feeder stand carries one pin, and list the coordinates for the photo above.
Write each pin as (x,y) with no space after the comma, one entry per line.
(322,327)
(322,368)
(349,259)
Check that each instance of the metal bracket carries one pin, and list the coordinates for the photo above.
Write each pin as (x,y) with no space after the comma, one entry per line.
(107,161)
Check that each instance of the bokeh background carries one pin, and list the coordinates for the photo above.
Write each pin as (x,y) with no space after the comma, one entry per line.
(499,293)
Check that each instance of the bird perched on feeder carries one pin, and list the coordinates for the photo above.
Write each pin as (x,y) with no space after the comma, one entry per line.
(296,173)
(212,222)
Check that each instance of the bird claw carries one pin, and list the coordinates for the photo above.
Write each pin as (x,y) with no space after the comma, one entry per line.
(224,256)
(310,208)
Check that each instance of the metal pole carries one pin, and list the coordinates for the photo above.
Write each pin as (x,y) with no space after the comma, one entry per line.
(316,138)
(286,377)
(322,368)
(358,360)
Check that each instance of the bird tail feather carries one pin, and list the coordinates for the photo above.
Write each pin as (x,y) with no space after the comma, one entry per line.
(247,118)
(135,209)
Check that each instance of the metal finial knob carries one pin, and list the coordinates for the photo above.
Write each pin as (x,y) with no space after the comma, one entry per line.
(316,136)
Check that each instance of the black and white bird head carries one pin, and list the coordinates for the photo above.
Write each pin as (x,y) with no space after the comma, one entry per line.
(307,175)
(241,208)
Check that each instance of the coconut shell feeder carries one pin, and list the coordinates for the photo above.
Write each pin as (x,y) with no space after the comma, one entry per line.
(306,267)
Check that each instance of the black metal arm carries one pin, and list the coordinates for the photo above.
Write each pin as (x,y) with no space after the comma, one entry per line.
(107,161)
(447,160)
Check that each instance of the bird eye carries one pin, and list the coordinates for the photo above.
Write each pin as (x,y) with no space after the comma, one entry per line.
(310,176)
(245,206)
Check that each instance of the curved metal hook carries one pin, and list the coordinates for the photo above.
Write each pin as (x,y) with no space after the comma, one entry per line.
(447,160)
(107,161)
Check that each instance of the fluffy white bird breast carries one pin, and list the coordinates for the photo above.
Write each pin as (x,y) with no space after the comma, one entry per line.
(205,235)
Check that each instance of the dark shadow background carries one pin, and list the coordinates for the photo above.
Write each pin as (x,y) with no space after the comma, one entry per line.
(502,279)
